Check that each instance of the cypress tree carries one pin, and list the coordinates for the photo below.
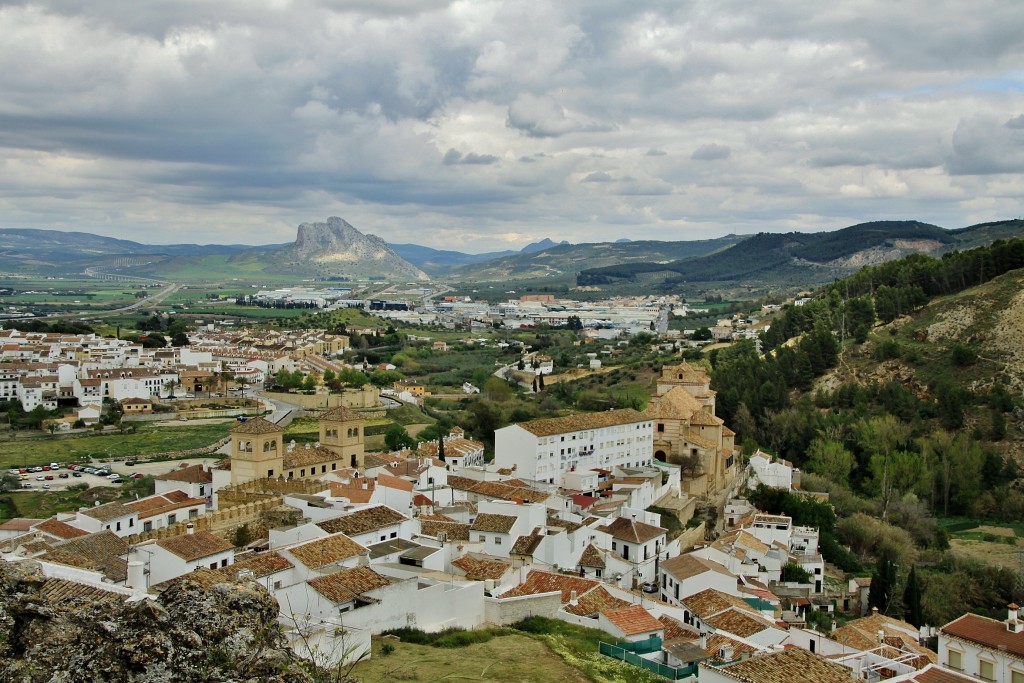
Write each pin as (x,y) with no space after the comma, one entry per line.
(440,448)
(912,599)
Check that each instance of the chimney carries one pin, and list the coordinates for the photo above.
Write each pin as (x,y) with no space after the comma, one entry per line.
(874,611)
(881,636)
(833,626)
(703,641)
(190,528)
(1013,624)
(136,575)
(572,598)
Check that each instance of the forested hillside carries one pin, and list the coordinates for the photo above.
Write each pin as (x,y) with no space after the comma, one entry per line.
(898,390)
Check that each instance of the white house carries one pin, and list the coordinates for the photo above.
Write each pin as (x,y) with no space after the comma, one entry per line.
(114,517)
(686,575)
(172,557)
(196,481)
(990,649)
(773,472)
(545,450)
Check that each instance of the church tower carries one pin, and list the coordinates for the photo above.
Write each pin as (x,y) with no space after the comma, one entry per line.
(257,450)
(341,430)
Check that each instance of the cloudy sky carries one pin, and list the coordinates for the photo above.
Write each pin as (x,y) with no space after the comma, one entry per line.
(478,125)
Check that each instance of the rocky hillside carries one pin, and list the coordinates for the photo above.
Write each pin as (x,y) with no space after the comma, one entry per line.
(55,632)
(335,248)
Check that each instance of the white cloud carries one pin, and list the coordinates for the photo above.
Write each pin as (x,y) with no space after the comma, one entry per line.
(422,121)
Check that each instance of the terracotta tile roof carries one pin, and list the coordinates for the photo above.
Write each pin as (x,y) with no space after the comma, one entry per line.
(307,456)
(990,633)
(595,600)
(354,491)
(193,474)
(18,524)
(592,557)
(60,529)
(257,425)
(633,620)
(717,641)
(159,504)
(565,524)
(709,602)
(195,546)
(538,581)
(677,630)
(527,545)
(101,551)
(933,673)
(501,524)
(687,566)
(348,584)
(794,664)
(394,482)
(107,512)
(65,593)
(480,569)
(340,414)
(261,564)
(325,551)
(675,404)
(633,531)
(581,421)
(454,530)
(863,634)
(751,542)
(702,418)
(738,623)
(363,521)
(502,491)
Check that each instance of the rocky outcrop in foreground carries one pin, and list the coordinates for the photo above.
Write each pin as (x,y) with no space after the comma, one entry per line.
(54,631)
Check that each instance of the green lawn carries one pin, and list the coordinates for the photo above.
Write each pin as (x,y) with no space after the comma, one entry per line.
(147,440)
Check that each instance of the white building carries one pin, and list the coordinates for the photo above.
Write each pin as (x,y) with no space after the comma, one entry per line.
(545,450)
(987,648)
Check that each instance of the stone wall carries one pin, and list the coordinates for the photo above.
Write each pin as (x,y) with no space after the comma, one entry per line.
(506,611)
(691,537)
(264,489)
(219,522)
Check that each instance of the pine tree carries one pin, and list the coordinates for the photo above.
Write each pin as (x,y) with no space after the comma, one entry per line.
(912,599)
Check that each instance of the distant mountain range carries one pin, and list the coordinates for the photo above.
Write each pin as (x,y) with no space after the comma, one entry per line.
(334,249)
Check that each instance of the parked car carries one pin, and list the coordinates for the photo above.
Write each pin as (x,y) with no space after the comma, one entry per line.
(49,477)
(119,480)
(76,474)
(63,475)
(40,478)
(129,463)
(26,485)
(113,476)
(46,486)
(136,475)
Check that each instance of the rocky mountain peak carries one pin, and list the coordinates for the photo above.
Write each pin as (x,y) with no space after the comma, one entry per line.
(336,247)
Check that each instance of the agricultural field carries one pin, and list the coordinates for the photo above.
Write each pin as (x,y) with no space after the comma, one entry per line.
(989,542)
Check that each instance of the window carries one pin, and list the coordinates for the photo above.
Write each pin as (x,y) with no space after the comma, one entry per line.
(323,469)
(1016,677)
(119,526)
(277,584)
(270,473)
(661,426)
(394,534)
(986,670)
(597,573)
(955,660)
(202,490)
(497,540)
(193,513)
(213,565)
(147,526)
(131,523)
(483,539)
(224,562)
(171,519)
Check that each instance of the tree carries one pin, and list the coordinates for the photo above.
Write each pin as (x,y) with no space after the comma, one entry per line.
(912,599)
(396,438)
(440,448)
(242,536)
(883,583)
(574,323)
(540,381)
(831,460)
(791,571)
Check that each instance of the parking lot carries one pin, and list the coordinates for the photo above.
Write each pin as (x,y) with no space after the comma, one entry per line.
(38,480)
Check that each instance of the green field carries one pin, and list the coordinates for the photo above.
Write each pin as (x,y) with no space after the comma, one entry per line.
(147,440)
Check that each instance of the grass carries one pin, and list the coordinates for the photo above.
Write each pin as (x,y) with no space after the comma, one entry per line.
(536,649)
(42,504)
(146,440)
(508,658)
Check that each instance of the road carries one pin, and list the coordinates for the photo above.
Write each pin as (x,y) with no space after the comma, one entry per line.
(148,301)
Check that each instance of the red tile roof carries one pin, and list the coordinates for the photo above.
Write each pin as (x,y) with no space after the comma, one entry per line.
(989,633)
(633,620)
